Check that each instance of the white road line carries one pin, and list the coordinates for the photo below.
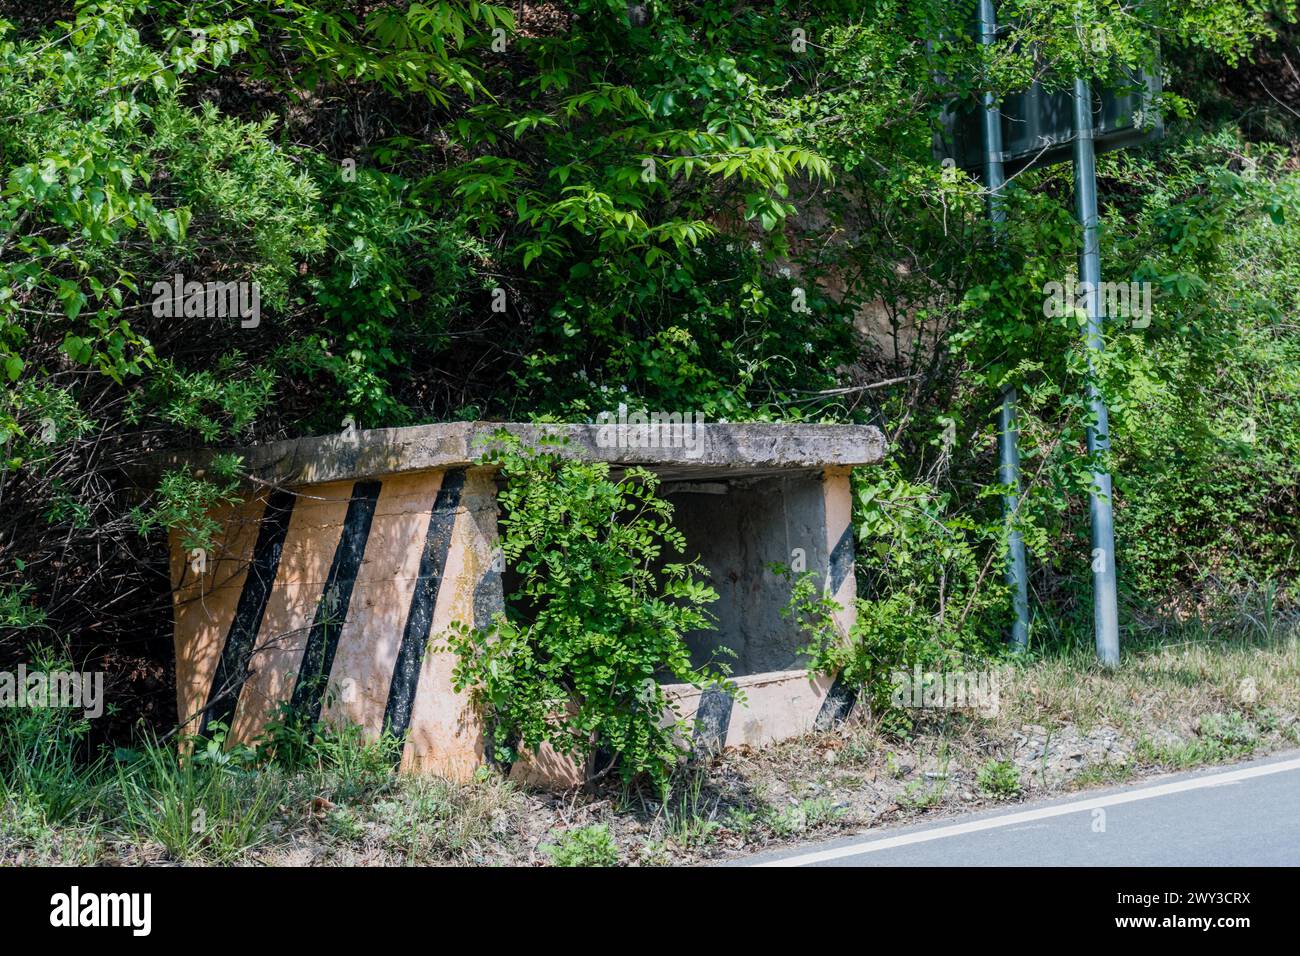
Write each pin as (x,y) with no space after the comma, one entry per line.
(872,845)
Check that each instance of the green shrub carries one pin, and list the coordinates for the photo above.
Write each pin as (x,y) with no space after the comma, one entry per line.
(931,593)
(595,623)
(585,847)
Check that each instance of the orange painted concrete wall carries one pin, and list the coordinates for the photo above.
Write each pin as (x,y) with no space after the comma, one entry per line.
(444,736)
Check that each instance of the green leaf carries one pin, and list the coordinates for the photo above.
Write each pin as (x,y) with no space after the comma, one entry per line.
(77,348)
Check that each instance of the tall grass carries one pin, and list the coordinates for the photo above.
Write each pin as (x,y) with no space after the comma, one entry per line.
(198,808)
(201,802)
(344,760)
(42,764)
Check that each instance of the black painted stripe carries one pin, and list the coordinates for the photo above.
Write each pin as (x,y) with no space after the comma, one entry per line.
(712,720)
(837,705)
(841,697)
(841,563)
(424,600)
(332,609)
(489,597)
(489,600)
(232,668)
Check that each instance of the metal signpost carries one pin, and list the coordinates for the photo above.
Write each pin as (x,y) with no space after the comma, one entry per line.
(1008,436)
(1047,128)
(1104,606)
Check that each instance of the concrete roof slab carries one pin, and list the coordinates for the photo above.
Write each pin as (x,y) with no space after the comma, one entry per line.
(713,449)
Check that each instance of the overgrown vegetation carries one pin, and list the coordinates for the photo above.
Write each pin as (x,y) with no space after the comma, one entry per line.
(460,210)
(1200,695)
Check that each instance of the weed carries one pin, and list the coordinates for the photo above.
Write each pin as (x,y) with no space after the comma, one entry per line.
(41,762)
(804,816)
(893,767)
(999,779)
(1232,731)
(1100,774)
(218,810)
(691,820)
(345,824)
(583,847)
(431,817)
(742,821)
(921,794)
(344,759)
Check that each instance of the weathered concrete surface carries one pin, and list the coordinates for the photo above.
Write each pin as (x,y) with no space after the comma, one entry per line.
(739,530)
(723,449)
(774,706)
(331,588)
(409,586)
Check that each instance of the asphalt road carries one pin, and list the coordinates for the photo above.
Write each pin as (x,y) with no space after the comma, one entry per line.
(1244,815)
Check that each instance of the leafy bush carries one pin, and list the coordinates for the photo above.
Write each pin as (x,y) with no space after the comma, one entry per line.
(935,597)
(186,504)
(598,619)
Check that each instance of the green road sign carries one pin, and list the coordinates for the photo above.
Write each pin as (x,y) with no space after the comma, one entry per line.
(1038,125)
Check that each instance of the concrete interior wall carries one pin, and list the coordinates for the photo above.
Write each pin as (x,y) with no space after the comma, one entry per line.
(739,529)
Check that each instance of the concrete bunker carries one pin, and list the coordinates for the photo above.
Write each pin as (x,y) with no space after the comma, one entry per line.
(329,584)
